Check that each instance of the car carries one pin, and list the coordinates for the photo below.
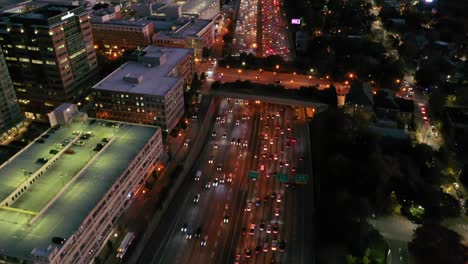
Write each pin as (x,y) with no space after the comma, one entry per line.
(66,141)
(293,169)
(69,151)
(198,232)
(215,182)
(196,198)
(188,235)
(238,142)
(233,141)
(258,249)
(261,226)
(289,128)
(229,178)
(275,156)
(78,143)
(223,120)
(293,140)
(203,242)
(226,218)
(213,134)
(268,229)
(277,211)
(42,160)
(105,140)
(281,245)
(278,198)
(224,136)
(286,163)
(195,115)
(252,229)
(215,146)
(208,185)
(248,253)
(210,160)
(53,151)
(274,245)
(237,259)
(271,142)
(257,202)
(58,240)
(218,117)
(76,132)
(84,137)
(219,167)
(59,145)
(98,147)
(237,122)
(184,228)
(249,207)
(275,228)
(187,142)
(265,247)
(243,231)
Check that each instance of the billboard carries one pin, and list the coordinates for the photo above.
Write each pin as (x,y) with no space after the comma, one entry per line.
(296,21)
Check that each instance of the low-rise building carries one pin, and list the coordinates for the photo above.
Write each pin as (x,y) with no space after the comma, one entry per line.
(62,195)
(148,90)
(192,33)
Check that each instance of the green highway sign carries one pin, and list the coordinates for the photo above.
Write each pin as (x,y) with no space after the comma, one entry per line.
(253,175)
(282,177)
(302,178)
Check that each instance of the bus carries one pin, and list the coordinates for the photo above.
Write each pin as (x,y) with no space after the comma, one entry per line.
(126,242)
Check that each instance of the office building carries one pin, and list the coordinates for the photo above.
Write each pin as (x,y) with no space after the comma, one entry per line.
(185,33)
(49,52)
(149,90)
(62,195)
(10,114)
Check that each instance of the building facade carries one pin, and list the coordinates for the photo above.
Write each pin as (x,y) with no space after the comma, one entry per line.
(110,32)
(10,114)
(50,56)
(148,90)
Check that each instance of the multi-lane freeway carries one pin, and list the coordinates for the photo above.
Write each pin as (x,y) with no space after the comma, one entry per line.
(222,216)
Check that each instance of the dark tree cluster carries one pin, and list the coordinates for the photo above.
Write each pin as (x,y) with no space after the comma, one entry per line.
(359,174)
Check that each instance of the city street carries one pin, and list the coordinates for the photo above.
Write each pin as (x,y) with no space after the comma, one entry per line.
(212,210)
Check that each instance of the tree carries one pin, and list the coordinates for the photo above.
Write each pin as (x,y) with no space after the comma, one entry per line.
(435,244)
(436,103)
(206,52)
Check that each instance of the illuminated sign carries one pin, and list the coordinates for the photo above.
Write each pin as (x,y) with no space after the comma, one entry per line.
(295,21)
(67,16)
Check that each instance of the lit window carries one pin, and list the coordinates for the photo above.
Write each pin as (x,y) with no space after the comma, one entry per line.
(20,46)
(50,62)
(37,61)
(24,59)
(33,48)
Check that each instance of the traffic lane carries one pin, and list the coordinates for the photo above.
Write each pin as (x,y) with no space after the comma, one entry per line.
(235,232)
(239,203)
(176,237)
(209,174)
(227,166)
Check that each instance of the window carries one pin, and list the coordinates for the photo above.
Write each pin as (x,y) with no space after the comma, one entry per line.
(33,48)
(24,59)
(20,46)
(37,61)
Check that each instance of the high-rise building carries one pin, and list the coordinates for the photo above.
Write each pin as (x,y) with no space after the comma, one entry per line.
(10,114)
(49,52)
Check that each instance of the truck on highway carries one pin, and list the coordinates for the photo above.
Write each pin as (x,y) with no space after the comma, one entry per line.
(198,175)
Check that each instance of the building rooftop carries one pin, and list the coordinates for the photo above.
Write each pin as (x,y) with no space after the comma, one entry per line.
(181,28)
(70,188)
(47,11)
(150,76)
(122,22)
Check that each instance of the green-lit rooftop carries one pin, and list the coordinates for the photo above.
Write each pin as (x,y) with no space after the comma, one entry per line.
(70,187)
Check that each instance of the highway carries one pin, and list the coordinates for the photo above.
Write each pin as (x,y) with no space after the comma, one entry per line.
(248,137)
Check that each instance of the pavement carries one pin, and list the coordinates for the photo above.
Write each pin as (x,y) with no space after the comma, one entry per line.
(397,231)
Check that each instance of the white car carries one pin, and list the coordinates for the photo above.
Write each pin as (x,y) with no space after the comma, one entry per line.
(78,143)
(196,198)
(203,242)
(249,207)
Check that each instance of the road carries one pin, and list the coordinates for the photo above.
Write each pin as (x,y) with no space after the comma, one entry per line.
(219,214)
